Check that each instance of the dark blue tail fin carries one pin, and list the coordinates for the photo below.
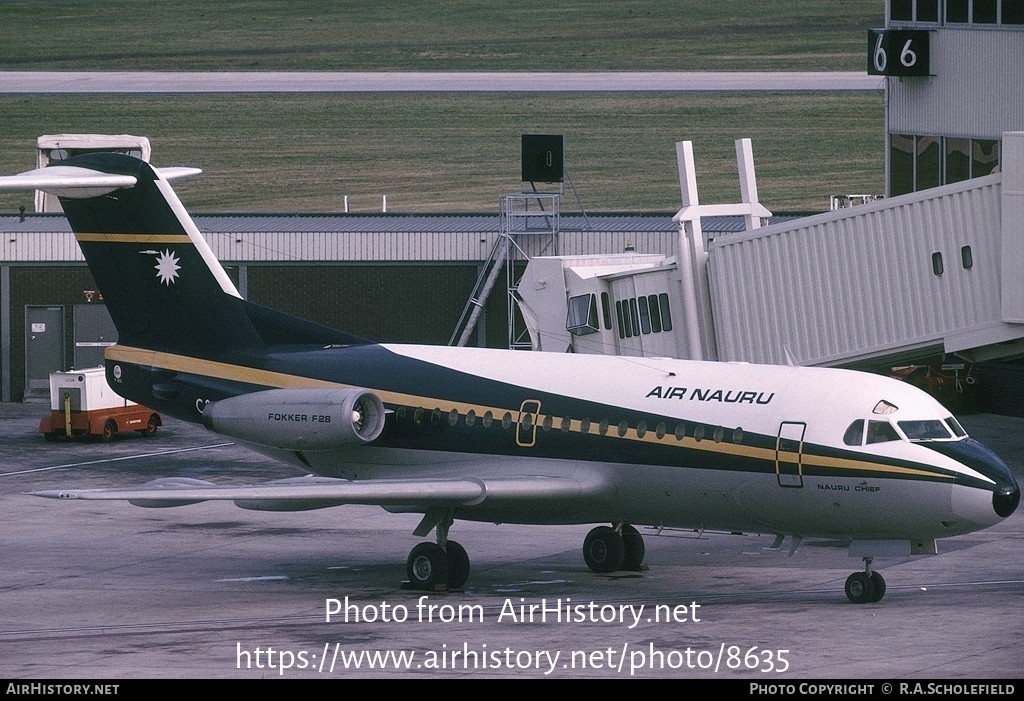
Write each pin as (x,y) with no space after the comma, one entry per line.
(158,276)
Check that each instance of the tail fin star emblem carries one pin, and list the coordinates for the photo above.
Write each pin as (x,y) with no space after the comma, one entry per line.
(166,266)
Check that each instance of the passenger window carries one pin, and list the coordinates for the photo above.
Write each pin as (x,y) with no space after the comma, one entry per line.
(855,433)
(881,432)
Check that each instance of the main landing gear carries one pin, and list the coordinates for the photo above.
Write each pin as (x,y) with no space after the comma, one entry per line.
(440,565)
(610,549)
(865,587)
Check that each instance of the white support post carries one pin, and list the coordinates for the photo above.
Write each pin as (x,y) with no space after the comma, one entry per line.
(748,180)
(692,263)
(693,248)
(687,173)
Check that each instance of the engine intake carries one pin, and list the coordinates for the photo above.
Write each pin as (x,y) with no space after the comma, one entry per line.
(299,419)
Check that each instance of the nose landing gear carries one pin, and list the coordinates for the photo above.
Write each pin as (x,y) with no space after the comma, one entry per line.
(865,587)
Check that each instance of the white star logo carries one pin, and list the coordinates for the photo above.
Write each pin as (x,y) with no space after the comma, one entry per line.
(166,266)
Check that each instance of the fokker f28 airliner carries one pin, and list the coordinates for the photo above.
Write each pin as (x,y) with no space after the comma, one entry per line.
(508,436)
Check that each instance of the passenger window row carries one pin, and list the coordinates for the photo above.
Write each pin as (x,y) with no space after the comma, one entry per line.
(698,432)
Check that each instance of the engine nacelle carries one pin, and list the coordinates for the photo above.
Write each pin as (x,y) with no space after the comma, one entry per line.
(299,419)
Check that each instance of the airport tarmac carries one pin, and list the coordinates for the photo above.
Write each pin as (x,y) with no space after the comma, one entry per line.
(107,590)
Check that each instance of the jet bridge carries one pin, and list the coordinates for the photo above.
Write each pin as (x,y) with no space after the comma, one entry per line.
(935,271)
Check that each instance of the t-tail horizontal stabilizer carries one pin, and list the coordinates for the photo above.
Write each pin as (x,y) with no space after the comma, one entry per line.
(80,182)
(162,284)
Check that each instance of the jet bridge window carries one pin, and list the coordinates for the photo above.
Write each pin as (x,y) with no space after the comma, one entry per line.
(642,315)
(582,315)
(645,315)
(652,302)
(621,316)
(606,311)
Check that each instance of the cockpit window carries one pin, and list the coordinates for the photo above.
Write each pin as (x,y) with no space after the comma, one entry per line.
(958,430)
(925,430)
(885,408)
(881,432)
(855,433)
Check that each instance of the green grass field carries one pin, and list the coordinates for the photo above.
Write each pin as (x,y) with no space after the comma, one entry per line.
(455,151)
(377,35)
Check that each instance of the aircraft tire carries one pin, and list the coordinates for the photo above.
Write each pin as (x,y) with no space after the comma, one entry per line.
(634,549)
(458,565)
(878,583)
(427,566)
(603,550)
(859,588)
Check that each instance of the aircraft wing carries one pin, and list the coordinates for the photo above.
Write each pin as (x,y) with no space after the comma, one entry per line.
(306,493)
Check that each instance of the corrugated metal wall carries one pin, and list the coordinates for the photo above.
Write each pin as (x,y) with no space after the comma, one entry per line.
(399,239)
(432,246)
(860,282)
(976,88)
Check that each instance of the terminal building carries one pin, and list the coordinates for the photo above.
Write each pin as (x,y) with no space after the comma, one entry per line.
(953,85)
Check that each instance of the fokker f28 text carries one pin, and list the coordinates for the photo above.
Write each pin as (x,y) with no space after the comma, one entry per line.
(506,436)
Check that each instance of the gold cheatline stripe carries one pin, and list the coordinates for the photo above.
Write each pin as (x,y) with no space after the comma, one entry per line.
(255,376)
(134,238)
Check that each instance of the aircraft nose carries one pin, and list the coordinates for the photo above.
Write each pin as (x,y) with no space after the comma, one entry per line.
(1006,499)
(1005,491)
